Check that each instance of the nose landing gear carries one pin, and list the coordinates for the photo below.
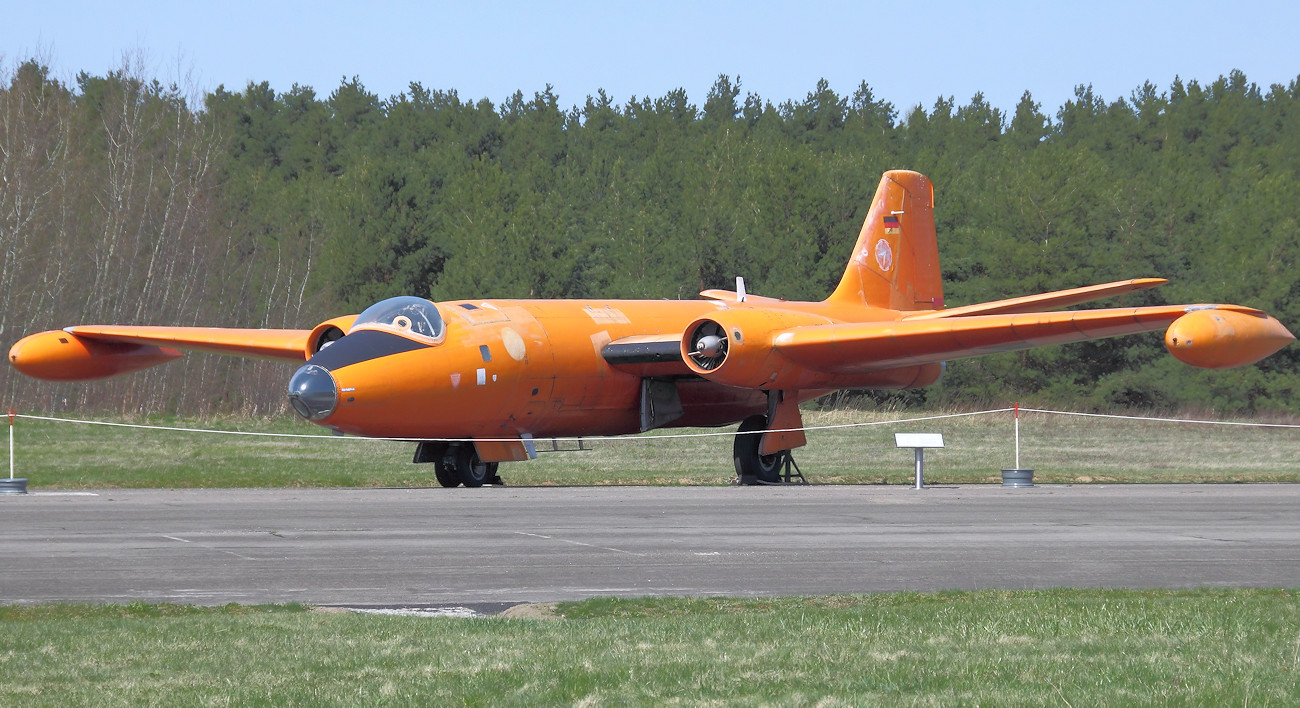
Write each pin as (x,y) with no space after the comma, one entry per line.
(458,463)
(472,471)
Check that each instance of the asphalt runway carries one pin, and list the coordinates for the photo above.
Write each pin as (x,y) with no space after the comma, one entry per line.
(412,547)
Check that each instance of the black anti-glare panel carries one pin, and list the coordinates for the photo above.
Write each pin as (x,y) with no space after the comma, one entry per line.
(362,346)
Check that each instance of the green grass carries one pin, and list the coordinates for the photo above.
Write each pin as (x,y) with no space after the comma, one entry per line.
(1061,449)
(1061,647)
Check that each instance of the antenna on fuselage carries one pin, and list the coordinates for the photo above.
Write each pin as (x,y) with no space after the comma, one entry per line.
(740,289)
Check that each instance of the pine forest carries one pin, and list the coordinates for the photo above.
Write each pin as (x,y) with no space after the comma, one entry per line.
(128,200)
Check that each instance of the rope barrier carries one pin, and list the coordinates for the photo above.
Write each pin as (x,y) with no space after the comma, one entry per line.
(656,436)
(182,430)
(603,438)
(666,436)
(1163,420)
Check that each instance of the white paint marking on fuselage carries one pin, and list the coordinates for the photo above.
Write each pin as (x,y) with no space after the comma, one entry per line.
(606,315)
(599,340)
(514,344)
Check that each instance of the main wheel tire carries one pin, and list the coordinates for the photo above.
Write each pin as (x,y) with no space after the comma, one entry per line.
(447,476)
(751,467)
(472,471)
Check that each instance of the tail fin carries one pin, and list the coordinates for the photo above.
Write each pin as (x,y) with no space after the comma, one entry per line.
(896,260)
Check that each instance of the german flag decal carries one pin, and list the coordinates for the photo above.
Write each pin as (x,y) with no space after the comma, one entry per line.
(891,224)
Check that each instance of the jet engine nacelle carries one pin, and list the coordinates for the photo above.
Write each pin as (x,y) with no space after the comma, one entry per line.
(326,333)
(734,347)
(61,356)
(1212,338)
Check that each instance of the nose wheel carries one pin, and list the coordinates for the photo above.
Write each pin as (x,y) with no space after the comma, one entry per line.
(446,474)
(457,464)
(470,470)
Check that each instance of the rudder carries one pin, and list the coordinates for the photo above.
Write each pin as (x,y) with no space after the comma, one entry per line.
(895,262)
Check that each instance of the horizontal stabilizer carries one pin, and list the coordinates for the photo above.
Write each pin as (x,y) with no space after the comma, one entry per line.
(732,296)
(873,346)
(1044,301)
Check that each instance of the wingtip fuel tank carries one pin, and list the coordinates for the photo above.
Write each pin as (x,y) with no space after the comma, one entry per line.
(1213,338)
(61,356)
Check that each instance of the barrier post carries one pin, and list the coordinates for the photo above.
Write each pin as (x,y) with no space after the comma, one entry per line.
(1017,476)
(11,485)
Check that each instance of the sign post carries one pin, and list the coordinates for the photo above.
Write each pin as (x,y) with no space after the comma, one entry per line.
(918,442)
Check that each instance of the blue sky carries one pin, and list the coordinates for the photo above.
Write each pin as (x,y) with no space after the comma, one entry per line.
(778,49)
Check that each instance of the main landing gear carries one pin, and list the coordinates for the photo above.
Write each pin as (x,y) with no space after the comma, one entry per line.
(753,467)
(455,464)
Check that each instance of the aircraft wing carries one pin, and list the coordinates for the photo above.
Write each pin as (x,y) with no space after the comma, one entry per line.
(872,346)
(99,351)
(276,344)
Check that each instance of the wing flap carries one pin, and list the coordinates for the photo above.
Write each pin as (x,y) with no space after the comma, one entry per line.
(274,344)
(873,346)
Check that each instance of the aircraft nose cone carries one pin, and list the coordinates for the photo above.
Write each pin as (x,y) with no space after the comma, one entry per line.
(313,393)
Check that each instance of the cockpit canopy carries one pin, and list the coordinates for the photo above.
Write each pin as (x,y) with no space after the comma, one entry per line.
(408,316)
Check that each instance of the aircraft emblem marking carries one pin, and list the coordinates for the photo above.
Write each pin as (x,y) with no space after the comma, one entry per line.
(884,255)
(455,380)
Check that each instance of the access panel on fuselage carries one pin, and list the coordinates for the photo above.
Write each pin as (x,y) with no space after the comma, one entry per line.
(516,356)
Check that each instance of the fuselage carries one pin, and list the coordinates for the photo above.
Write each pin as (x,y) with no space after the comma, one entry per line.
(530,367)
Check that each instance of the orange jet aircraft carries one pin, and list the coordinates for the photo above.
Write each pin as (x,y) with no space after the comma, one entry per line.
(478,380)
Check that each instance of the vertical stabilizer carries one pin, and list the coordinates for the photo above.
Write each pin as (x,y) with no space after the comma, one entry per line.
(895,262)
